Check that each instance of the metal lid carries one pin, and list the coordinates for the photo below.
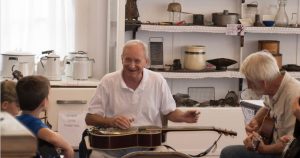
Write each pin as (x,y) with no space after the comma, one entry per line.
(53,55)
(81,56)
(251,5)
(18,53)
(195,48)
(73,53)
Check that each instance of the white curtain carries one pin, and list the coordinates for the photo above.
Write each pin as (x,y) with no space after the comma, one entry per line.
(37,25)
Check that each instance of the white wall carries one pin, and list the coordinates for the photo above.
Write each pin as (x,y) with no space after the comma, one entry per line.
(92,26)
(91,19)
(217,45)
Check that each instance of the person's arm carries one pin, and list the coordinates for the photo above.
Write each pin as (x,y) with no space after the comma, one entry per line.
(276,148)
(117,121)
(256,121)
(57,140)
(190,116)
(296,108)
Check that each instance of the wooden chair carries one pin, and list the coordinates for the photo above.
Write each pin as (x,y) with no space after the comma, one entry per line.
(150,154)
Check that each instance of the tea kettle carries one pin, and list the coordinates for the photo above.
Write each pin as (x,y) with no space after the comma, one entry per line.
(51,66)
(68,60)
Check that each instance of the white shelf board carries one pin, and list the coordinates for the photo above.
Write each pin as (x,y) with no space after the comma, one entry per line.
(220,74)
(295,74)
(170,28)
(200,75)
(277,30)
(216,29)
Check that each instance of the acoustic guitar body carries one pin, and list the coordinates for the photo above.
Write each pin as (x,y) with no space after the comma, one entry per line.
(267,129)
(147,139)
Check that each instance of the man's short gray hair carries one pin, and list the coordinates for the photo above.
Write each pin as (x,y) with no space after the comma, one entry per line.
(260,66)
(136,42)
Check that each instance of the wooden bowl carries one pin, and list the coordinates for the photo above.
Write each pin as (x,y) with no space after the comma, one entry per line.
(221,63)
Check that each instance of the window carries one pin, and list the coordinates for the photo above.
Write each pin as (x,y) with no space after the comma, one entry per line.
(37,25)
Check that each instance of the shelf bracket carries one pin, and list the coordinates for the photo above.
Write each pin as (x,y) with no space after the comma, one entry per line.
(132,27)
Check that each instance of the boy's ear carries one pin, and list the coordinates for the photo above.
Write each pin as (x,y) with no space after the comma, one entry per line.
(4,105)
(43,103)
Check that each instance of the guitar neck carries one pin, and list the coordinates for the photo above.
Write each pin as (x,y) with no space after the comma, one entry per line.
(198,128)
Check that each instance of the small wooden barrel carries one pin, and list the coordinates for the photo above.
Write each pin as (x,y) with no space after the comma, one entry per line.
(278,58)
(271,45)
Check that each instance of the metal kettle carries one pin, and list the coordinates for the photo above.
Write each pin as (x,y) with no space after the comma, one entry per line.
(80,67)
(68,61)
(16,60)
(51,66)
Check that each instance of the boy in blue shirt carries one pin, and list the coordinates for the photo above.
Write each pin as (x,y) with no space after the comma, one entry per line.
(33,94)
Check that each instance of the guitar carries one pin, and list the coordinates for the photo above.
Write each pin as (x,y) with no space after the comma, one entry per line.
(148,137)
(267,128)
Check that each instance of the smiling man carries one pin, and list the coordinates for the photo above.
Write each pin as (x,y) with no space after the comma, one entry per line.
(133,96)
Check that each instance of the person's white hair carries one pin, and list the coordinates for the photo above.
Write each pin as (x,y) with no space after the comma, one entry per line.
(260,66)
(136,42)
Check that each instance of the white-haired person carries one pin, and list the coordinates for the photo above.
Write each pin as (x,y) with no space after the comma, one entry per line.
(280,89)
(9,98)
(133,96)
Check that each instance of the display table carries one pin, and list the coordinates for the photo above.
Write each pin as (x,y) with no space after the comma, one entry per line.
(16,140)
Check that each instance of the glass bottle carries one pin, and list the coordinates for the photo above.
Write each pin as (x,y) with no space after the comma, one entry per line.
(294,22)
(281,18)
(174,17)
(251,11)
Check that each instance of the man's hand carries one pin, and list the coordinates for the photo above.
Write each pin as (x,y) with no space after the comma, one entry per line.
(69,153)
(251,127)
(285,139)
(253,142)
(248,142)
(191,116)
(121,122)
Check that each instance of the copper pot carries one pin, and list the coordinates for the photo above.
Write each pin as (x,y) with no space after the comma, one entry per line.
(174,7)
(224,18)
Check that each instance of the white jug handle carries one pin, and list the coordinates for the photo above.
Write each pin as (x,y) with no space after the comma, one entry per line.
(42,63)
